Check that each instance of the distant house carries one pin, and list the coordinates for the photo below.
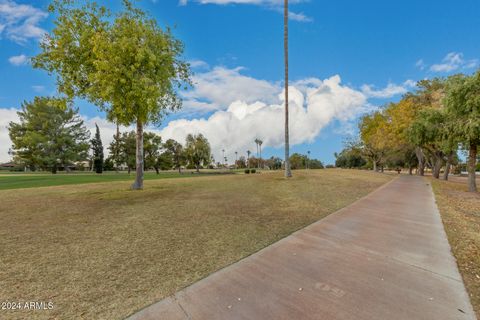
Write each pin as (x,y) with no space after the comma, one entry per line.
(7,165)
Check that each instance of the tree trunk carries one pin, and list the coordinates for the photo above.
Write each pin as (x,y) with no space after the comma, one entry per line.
(129,169)
(437,166)
(54,169)
(288,171)
(447,170)
(198,168)
(138,184)
(472,161)
(410,170)
(421,161)
(117,146)
(179,170)
(156,170)
(375,166)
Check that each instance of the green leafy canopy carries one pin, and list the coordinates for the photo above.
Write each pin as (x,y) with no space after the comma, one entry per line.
(124,63)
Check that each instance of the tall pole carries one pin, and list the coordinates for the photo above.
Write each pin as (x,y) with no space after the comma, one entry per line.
(236,154)
(261,161)
(256,144)
(288,172)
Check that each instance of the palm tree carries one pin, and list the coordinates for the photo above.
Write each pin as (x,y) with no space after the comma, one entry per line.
(256,142)
(236,156)
(288,172)
(248,158)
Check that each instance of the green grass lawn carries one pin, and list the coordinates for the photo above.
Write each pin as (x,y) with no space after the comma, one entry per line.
(34,180)
(101,251)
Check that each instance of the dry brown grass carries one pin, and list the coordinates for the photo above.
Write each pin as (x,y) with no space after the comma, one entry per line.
(99,251)
(460,212)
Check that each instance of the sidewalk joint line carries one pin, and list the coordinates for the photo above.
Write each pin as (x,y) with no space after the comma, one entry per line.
(181,307)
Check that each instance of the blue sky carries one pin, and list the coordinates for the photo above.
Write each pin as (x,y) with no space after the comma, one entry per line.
(346,58)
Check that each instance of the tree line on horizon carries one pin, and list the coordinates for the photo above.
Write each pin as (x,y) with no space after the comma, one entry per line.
(50,136)
(427,128)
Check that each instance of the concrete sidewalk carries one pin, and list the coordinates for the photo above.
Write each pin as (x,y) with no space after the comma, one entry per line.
(384,257)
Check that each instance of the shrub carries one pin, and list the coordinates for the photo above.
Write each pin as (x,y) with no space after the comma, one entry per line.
(253,171)
(247,171)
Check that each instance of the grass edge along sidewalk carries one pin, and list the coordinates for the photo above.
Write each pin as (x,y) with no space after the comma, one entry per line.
(460,212)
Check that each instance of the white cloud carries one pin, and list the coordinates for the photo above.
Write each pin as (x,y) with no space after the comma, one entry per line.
(313,105)
(19,60)
(273,4)
(38,89)
(420,64)
(19,22)
(217,88)
(389,91)
(301,17)
(256,2)
(6,116)
(452,62)
(198,64)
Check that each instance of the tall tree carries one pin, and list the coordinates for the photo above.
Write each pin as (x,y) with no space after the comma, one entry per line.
(350,156)
(241,163)
(288,171)
(429,96)
(463,108)
(153,145)
(97,149)
(50,134)
(176,151)
(197,149)
(125,148)
(400,150)
(372,133)
(427,131)
(124,64)
(298,161)
(274,163)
